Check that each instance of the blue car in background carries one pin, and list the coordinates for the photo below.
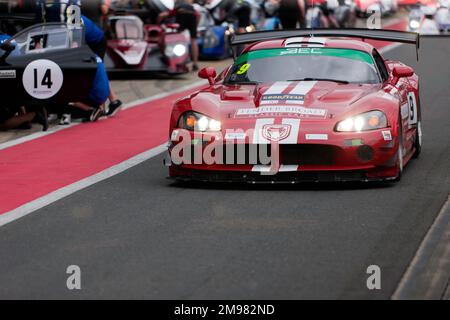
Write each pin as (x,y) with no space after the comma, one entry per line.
(213,40)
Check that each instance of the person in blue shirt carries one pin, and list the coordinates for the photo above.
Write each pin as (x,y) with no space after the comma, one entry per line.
(4,37)
(96,40)
(94,37)
(97,97)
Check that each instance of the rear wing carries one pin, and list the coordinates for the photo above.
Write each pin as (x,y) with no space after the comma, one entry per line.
(373,34)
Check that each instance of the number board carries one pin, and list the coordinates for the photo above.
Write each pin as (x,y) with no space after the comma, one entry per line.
(42,79)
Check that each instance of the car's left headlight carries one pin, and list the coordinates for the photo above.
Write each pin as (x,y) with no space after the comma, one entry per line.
(363,122)
(198,122)
(177,50)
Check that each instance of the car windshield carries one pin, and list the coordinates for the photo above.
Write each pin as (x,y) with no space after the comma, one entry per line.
(295,64)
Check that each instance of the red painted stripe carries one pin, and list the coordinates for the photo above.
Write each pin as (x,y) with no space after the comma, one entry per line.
(35,168)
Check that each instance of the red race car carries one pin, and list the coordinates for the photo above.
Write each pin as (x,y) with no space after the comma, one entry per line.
(295,107)
(135,46)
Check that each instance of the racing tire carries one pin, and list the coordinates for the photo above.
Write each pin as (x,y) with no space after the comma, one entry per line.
(400,155)
(418,140)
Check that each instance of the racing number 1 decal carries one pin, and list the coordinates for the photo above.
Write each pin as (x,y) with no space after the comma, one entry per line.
(412,103)
(42,79)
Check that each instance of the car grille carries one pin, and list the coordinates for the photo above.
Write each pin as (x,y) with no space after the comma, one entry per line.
(290,154)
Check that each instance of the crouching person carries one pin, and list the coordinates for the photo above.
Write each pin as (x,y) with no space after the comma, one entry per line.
(18,118)
(94,104)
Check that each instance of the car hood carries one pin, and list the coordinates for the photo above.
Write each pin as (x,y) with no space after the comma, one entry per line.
(307,99)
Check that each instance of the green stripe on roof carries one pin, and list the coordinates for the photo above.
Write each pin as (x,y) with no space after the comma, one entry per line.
(328,52)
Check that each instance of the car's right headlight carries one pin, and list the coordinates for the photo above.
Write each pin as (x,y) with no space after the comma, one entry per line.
(363,122)
(195,121)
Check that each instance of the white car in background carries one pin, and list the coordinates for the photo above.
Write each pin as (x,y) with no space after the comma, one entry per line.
(385,7)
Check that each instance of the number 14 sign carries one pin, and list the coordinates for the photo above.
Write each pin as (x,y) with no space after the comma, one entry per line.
(42,79)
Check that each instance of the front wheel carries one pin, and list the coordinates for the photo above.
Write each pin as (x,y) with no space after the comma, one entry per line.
(418,140)
(399,162)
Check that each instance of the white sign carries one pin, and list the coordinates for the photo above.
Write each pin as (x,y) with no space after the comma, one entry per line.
(42,79)
(294,110)
(7,74)
(316,136)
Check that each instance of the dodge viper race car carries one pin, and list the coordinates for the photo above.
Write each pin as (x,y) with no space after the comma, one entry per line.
(46,64)
(295,107)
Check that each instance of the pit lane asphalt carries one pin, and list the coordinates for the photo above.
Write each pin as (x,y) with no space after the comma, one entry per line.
(137,235)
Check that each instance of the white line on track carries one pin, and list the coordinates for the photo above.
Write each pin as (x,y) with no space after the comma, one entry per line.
(56,195)
(428,274)
(79,185)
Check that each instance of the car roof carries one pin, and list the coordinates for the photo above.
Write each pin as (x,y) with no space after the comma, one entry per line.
(340,43)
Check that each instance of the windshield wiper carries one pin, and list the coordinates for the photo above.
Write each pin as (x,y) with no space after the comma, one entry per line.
(321,79)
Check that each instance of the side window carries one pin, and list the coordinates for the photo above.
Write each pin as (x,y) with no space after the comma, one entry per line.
(47,41)
(380,65)
(43,38)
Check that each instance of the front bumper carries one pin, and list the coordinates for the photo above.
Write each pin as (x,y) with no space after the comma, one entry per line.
(186,175)
(363,156)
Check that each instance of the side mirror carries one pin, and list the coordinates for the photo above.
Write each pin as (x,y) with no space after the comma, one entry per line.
(402,72)
(208,73)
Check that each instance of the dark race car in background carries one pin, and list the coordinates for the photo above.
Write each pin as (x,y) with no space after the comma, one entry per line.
(47,65)
(321,108)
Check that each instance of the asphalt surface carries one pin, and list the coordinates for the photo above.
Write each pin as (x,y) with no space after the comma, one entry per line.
(138,235)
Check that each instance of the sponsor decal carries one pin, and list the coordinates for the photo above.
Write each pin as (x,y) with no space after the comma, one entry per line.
(279,110)
(387,135)
(276,93)
(235,136)
(313,136)
(7,74)
(271,97)
(304,42)
(394,90)
(306,51)
(353,142)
